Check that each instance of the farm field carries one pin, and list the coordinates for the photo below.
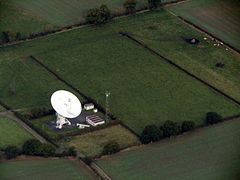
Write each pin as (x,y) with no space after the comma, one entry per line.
(24,84)
(59,169)
(91,144)
(31,17)
(96,59)
(165,34)
(18,20)
(218,17)
(210,153)
(11,133)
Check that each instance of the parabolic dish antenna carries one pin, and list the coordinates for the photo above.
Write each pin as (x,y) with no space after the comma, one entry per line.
(66,104)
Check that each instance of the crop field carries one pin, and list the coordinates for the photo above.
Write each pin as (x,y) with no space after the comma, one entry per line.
(164,33)
(59,169)
(91,144)
(24,84)
(218,17)
(210,153)
(11,133)
(144,88)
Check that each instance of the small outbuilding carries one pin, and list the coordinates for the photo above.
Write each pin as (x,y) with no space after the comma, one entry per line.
(94,120)
(89,106)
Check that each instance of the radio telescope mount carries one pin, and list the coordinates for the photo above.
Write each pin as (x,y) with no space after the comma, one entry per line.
(66,105)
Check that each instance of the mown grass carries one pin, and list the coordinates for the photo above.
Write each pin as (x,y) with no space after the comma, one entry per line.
(59,169)
(12,133)
(91,144)
(218,17)
(144,88)
(210,153)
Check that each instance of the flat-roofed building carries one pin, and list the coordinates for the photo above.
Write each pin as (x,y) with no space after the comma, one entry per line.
(94,120)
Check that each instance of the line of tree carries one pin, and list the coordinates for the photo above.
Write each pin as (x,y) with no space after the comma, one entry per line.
(152,133)
(98,15)
(34,147)
(10,36)
(103,14)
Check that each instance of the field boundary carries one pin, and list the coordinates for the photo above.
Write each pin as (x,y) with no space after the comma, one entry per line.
(179,67)
(204,31)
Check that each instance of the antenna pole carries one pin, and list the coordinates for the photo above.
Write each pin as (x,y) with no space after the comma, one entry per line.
(107,94)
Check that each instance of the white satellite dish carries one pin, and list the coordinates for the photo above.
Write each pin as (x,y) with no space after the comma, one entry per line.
(66,105)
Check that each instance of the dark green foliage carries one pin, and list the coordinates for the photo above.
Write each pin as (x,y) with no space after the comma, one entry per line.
(72,151)
(32,147)
(154,3)
(188,126)
(9,36)
(170,129)
(47,150)
(213,118)
(130,5)
(151,133)
(98,15)
(12,152)
(87,160)
(110,148)
(2,155)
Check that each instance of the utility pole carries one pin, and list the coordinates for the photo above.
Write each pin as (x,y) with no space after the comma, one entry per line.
(107,94)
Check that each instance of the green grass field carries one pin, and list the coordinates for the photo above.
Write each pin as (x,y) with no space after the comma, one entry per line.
(31,17)
(32,169)
(24,84)
(91,144)
(19,20)
(218,17)
(11,133)
(144,88)
(210,153)
(167,39)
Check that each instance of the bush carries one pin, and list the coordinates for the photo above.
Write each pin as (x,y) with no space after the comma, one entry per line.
(32,147)
(2,155)
(110,148)
(12,152)
(9,36)
(154,3)
(98,15)
(47,150)
(87,160)
(170,129)
(151,133)
(187,126)
(72,151)
(213,118)
(130,5)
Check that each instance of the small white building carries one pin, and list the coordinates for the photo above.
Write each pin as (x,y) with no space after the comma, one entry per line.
(82,126)
(94,120)
(89,106)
